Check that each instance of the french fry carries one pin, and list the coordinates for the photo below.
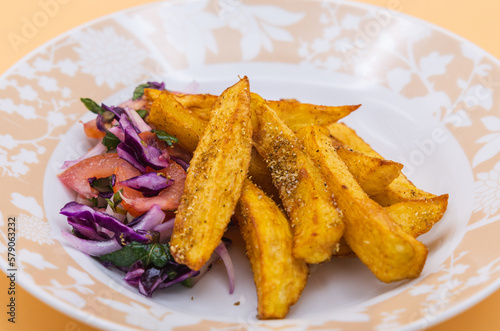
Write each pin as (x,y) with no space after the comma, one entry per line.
(279,277)
(401,189)
(372,173)
(214,179)
(316,224)
(389,252)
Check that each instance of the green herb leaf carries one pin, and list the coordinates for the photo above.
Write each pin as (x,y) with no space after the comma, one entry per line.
(188,282)
(110,141)
(165,137)
(156,254)
(102,184)
(139,91)
(92,105)
(115,201)
(94,201)
(142,113)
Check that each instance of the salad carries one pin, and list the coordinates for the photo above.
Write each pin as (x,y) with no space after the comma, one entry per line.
(128,187)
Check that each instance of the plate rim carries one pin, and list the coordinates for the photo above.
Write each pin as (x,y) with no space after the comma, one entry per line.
(100,322)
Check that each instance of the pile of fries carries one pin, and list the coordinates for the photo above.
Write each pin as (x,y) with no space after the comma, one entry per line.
(302,187)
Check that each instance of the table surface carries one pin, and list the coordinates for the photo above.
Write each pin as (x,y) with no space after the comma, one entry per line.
(476,21)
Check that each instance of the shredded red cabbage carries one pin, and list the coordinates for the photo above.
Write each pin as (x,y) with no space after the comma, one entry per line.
(134,274)
(79,211)
(137,120)
(156,85)
(118,111)
(149,184)
(182,163)
(118,132)
(138,153)
(155,278)
(87,230)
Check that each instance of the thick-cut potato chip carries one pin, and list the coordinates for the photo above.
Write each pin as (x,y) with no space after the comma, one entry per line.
(214,179)
(316,224)
(372,173)
(279,276)
(389,252)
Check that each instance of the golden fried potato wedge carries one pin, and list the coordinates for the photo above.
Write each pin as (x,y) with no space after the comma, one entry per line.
(349,138)
(214,179)
(373,174)
(297,114)
(151,94)
(417,217)
(389,252)
(400,189)
(260,175)
(294,113)
(316,224)
(200,104)
(279,277)
(169,115)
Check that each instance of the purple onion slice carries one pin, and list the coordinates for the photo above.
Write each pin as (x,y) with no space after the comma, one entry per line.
(92,247)
(224,255)
(96,150)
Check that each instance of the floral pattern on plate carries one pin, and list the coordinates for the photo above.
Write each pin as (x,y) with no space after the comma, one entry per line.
(436,71)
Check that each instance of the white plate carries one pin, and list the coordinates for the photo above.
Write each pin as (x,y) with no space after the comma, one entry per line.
(427,101)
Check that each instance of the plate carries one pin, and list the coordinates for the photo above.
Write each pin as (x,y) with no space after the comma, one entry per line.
(428,103)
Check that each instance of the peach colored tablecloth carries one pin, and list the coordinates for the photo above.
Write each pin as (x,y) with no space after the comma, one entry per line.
(476,21)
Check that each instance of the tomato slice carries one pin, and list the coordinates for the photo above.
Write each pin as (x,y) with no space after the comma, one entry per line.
(92,131)
(168,199)
(100,166)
